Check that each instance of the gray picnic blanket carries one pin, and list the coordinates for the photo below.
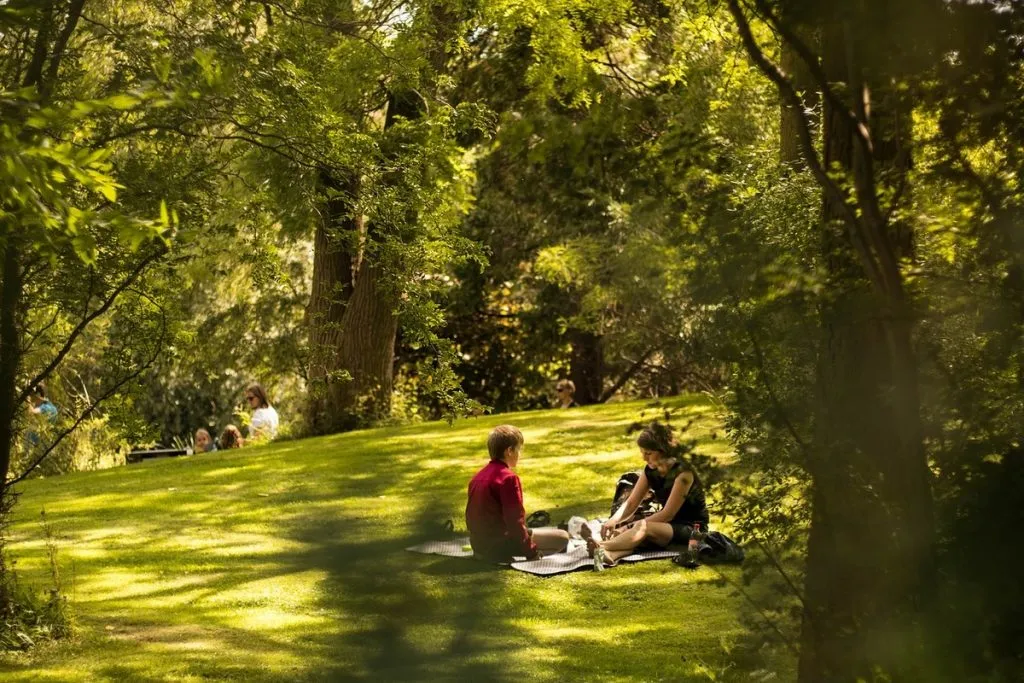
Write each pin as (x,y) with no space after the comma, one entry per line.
(575,556)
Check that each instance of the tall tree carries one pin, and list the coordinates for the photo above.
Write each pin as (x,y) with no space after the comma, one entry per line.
(870,565)
(360,268)
(59,218)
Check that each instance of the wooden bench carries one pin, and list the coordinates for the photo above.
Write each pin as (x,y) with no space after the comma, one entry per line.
(139,456)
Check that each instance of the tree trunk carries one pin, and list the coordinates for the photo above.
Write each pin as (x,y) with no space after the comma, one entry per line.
(586,366)
(869,552)
(789,120)
(10,351)
(367,349)
(332,287)
(352,320)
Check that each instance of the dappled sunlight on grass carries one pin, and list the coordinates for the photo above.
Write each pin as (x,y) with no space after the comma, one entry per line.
(268,619)
(285,562)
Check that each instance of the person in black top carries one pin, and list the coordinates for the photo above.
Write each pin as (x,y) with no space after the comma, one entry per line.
(676,486)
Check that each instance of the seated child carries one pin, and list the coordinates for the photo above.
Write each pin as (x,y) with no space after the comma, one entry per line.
(231,437)
(494,512)
(204,442)
(674,484)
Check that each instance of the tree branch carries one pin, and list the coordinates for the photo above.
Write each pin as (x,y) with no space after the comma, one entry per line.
(85,321)
(70,23)
(772,396)
(33,336)
(93,406)
(789,93)
(34,74)
(626,376)
(814,67)
(783,573)
(867,195)
(788,642)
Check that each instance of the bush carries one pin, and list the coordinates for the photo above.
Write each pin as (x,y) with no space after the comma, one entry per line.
(28,615)
(93,445)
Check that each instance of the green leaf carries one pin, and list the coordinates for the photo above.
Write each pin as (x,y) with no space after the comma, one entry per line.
(108,190)
(121,101)
(84,245)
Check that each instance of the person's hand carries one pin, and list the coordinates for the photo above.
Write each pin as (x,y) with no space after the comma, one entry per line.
(608,530)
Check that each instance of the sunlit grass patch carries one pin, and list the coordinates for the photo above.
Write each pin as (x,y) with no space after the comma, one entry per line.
(285,562)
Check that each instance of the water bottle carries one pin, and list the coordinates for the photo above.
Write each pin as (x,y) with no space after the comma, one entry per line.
(693,547)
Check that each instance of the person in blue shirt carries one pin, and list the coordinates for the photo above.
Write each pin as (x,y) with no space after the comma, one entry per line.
(39,405)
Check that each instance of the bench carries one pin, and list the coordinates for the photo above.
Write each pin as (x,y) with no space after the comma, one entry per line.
(139,456)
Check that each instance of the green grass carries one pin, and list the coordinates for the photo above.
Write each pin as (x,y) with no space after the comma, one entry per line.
(286,562)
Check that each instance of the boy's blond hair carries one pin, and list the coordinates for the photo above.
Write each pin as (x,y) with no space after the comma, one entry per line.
(501,439)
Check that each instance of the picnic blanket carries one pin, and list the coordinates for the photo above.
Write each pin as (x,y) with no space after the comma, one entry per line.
(575,556)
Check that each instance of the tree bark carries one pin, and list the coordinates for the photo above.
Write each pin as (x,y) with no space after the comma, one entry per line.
(367,349)
(332,287)
(869,551)
(790,116)
(10,350)
(586,366)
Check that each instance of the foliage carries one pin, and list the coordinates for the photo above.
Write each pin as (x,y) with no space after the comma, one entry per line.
(581,205)
(29,616)
(95,444)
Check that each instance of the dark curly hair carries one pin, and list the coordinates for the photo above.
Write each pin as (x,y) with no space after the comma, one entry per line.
(657,437)
(661,438)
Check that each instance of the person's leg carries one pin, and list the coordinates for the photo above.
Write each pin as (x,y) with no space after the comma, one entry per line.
(550,540)
(623,544)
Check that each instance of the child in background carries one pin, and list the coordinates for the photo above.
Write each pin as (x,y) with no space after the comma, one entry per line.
(204,442)
(230,438)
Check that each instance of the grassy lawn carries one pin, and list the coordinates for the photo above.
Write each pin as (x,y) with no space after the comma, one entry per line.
(286,562)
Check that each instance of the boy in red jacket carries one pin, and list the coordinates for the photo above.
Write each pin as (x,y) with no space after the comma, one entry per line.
(494,513)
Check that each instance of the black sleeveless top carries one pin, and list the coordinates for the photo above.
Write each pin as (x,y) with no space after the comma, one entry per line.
(694,507)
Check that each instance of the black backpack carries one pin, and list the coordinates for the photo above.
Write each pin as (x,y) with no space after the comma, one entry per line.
(627,482)
(718,548)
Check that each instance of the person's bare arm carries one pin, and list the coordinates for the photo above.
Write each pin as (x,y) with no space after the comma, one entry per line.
(680,489)
(627,509)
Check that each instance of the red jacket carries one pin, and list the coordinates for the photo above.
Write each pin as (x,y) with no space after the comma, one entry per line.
(495,514)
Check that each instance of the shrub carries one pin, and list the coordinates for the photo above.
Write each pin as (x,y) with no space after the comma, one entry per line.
(29,615)
(93,445)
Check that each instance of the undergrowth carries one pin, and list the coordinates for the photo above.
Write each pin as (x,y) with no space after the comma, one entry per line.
(30,615)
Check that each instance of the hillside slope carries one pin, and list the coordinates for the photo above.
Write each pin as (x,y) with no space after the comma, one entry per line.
(285,562)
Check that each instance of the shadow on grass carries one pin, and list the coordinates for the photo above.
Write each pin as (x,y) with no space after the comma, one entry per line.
(288,563)
(402,630)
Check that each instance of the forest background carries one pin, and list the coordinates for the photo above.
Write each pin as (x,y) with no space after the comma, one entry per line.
(403,210)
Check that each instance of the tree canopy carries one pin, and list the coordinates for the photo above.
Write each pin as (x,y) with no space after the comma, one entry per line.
(391,211)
